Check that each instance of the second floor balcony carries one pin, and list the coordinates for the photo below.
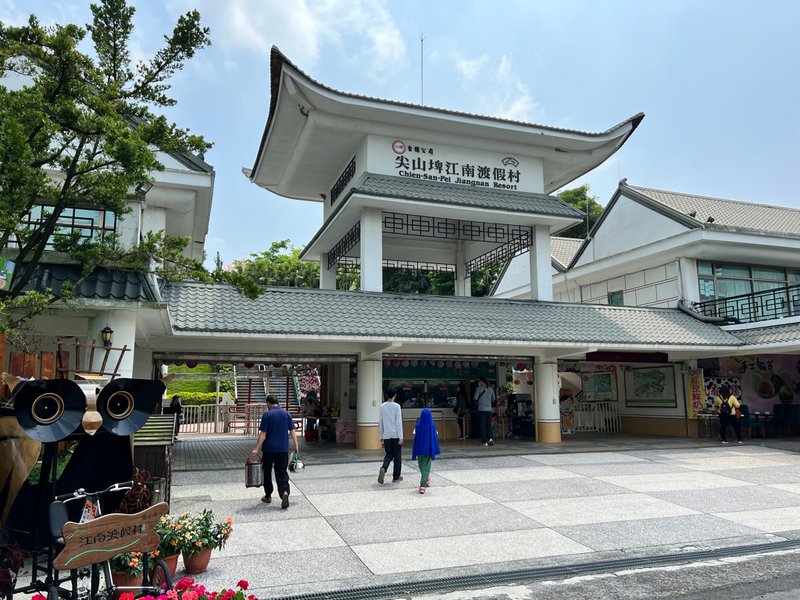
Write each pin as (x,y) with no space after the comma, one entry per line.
(777,303)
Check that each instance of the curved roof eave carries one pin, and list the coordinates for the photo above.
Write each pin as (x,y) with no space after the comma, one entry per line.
(597,140)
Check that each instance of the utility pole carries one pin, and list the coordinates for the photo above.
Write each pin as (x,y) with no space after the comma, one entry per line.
(421,69)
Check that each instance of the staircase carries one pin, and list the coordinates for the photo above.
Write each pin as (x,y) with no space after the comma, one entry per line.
(281,385)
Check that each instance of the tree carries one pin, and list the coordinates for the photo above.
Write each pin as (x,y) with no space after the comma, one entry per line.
(280,265)
(581,199)
(77,130)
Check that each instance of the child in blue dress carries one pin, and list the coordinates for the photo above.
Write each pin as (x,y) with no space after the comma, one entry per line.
(426,447)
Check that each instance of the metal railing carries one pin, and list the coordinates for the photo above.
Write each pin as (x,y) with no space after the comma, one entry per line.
(602,417)
(776,303)
(201,418)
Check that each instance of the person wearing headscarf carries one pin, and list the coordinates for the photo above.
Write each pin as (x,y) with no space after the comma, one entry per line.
(426,447)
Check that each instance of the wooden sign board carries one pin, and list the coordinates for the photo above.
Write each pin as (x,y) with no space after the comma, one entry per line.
(98,540)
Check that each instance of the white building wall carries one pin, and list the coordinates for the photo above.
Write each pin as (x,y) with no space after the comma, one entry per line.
(656,287)
(633,226)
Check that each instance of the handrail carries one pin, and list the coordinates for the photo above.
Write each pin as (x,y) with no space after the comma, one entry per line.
(776,303)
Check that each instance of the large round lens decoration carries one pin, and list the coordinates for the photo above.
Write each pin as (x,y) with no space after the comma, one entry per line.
(47,408)
(120,405)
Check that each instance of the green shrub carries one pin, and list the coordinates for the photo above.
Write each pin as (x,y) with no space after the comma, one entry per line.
(185,386)
(196,398)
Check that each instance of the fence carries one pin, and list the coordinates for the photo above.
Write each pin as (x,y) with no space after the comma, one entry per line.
(597,416)
(201,419)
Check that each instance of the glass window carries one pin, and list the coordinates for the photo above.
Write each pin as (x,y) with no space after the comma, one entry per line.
(725,270)
(769,273)
(616,298)
(707,289)
(704,268)
(794,277)
(733,287)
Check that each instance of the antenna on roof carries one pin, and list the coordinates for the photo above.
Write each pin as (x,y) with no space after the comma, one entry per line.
(421,68)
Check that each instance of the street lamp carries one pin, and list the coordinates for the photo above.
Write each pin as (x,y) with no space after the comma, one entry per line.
(106,333)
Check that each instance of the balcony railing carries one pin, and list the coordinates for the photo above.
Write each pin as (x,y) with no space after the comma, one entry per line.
(776,303)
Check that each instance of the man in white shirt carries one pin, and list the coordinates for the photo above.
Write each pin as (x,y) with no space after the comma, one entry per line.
(390,430)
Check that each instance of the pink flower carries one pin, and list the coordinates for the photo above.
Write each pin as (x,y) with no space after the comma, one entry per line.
(184,584)
(243,585)
(189,595)
(228,594)
(38,597)
(172,594)
(126,596)
(252,597)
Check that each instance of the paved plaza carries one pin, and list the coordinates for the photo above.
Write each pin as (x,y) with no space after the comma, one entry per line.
(513,506)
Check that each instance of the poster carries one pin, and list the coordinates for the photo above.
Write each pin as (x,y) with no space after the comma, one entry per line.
(651,386)
(695,393)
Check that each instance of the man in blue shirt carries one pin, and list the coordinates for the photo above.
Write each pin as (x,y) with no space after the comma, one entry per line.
(273,440)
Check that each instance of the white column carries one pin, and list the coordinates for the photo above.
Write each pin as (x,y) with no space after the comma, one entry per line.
(463,279)
(123,323)
(327,277)
(371,250)
(142,362)
(370,397)
(548,414)
(540,265)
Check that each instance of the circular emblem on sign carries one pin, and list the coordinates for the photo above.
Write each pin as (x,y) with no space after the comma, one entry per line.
(398,146)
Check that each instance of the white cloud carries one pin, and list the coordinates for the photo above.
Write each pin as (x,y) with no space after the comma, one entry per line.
(513,96)
(470,68)
(362,30)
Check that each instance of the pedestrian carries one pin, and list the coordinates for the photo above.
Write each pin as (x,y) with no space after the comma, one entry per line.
(310,412)
(390,430)
(273,441)
(728,406)
(425,448)
(175,408)
(484,399)
(462,410)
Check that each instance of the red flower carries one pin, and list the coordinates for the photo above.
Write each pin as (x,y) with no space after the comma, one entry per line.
(38,597)
(126,596)
(184,583)
(243,585)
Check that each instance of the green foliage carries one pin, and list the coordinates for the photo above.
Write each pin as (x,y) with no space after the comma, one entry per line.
(195,398)
(226,385)
(580,198)
(184,386)
(88,118)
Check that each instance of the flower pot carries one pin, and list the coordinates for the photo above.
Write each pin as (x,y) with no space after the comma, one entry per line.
(122,580)
(171,562)
(196,562)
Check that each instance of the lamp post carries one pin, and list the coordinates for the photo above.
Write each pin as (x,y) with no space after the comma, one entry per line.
(106,334)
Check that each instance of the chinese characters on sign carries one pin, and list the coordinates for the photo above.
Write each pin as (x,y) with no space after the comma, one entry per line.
(755,365)
(420,162)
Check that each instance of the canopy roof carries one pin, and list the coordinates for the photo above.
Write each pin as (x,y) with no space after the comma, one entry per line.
(312,128)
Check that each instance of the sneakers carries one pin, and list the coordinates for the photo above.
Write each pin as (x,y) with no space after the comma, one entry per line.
(724,441)
(398,480)
(421,489)
(491,442)
(381,475)
(485,445)
(266,499)
(285,500)
(462,438)
(740,442)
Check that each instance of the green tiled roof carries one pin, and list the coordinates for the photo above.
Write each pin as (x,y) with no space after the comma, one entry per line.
(295,312)
(102,284)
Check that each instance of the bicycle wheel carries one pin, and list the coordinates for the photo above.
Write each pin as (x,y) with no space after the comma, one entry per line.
(161,580)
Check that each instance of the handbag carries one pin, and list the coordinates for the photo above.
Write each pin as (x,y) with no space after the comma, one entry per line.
(295,464)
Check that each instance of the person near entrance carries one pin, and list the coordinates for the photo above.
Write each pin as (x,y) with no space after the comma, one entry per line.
(425,448)
(462,410)
(311,412)
(728,406)
(484,400)
(390,430)
(175,408)
(273,441)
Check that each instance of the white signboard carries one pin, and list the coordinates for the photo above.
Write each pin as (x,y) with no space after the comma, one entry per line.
(412,159)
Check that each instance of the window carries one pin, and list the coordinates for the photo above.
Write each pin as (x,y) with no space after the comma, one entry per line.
(616,298)
(771,299)
(89,222)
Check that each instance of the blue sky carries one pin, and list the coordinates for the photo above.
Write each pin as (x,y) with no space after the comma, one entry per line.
(716,79)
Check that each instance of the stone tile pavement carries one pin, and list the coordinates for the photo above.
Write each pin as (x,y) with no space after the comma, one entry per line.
(488,510)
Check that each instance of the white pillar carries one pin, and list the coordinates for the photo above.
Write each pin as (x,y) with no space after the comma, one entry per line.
(142,362)
(123,323)
(371,247)
(370,397)
(463,279)
(327,277)
(548,414)
(541,265)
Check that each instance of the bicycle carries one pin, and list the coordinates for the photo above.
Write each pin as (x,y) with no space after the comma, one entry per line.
(98,535)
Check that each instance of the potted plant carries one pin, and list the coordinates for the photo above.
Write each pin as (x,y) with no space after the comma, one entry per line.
(127,570)
(171,532)
(201,535)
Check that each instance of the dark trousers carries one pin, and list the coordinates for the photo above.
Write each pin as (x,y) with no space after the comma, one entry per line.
(734,422)
(484,425)
(393,451)
(279,461)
